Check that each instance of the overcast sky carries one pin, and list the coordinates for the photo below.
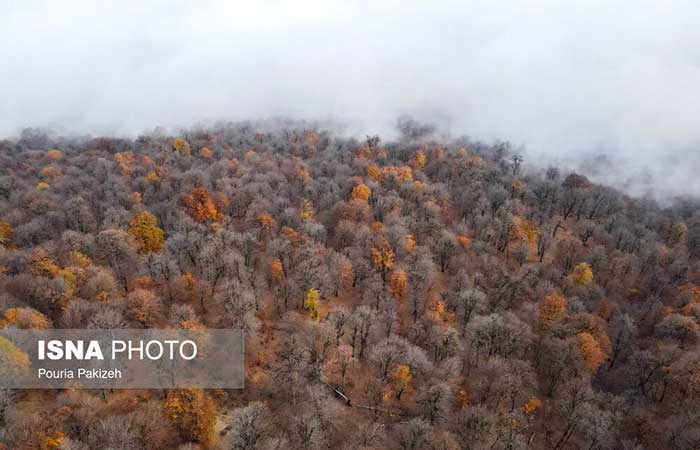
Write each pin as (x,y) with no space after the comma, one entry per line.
(567,79)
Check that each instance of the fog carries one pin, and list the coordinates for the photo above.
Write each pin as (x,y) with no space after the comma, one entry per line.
(568,80)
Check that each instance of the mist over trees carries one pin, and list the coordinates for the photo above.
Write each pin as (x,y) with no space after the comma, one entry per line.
(418,294)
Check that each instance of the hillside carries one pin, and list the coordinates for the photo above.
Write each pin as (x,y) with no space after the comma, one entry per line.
(415,294)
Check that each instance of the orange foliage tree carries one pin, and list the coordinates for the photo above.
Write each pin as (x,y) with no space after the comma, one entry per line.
(361,192)
(54,155)
(591,353)
(532,406)
(464,241)
(51,172)
(401,379)
(552,310)
(277,270)
(399,284)
(374,172)
(200,206)
(26,318)
(125,162)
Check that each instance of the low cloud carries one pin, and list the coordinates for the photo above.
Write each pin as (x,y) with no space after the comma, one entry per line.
(568,80)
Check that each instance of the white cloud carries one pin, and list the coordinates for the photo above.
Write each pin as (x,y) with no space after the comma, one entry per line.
(564,78)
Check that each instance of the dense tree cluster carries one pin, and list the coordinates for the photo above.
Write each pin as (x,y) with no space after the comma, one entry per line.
(416,294)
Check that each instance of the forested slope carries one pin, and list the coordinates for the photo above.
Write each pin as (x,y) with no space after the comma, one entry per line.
(417,294)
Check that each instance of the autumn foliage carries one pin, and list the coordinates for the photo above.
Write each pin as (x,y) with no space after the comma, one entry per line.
(6,234)
(382,257)
(182,147)
(277,270)
(552,310)
(311,302)
(193,413)
(145,230)
(200,205)
(399,284)
(591,352)
(407,295)
(361,192)
(582,274)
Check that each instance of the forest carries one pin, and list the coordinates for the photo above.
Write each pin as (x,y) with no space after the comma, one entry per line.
(419,293)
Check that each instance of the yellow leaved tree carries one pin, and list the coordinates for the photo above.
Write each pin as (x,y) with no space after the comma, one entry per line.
(144,228)
(307,211)
(420,159)
(582,274)
(311,302)
(182,147)
(382,257)
(192,413)
(14,362)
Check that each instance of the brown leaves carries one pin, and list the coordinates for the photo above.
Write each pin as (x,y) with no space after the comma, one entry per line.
(6,235)
(552,310)
(398,284)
